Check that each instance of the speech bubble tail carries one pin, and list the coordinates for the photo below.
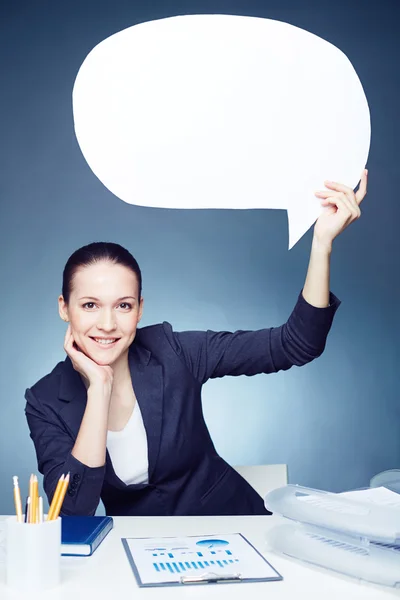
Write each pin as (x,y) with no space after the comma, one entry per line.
(300,219)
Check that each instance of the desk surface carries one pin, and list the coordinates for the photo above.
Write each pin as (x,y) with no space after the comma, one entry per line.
(107,575)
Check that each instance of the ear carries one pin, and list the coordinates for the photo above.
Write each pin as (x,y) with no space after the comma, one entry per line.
(63,309)
(141,308)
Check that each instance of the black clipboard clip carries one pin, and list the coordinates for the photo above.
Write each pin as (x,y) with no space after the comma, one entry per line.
(212,578)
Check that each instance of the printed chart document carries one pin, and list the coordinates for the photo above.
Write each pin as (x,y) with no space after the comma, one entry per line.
(194,559)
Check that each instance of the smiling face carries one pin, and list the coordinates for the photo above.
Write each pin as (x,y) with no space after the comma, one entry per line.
(104,310)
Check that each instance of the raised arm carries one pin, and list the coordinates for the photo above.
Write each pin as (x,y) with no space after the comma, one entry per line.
(302,338)
(342,208)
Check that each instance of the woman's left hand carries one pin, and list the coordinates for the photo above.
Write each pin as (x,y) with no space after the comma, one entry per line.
(342,208)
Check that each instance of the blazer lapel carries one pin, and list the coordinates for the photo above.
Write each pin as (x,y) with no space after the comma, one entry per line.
(147,381)
(72,393)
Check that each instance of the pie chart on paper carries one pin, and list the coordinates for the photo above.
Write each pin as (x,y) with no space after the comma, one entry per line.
(212,543)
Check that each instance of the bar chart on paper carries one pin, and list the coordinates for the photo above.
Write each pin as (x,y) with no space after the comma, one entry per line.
(158,560)
(209,556)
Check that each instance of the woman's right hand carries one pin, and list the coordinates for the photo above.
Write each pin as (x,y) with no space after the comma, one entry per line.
(92,373)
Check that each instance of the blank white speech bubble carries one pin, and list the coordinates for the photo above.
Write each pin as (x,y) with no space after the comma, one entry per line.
(221,111)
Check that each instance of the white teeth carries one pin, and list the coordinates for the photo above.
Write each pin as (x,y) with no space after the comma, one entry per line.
(105,342)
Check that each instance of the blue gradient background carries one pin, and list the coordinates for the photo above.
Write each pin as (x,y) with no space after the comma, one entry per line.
(334,422)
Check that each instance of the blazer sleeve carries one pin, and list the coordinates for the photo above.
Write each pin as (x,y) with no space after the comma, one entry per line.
(210,354)
(53,445)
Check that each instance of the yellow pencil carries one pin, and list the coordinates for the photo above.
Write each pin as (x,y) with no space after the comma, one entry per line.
(17,499)
(35,499)
(55,498)
(32,500)
(61,497)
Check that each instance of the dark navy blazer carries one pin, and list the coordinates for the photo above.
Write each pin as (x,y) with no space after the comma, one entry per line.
(168,369)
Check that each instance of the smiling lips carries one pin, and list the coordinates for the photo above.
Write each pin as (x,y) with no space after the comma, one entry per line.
(105,342)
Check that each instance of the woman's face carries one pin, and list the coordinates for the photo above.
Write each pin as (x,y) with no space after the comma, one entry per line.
(103,311)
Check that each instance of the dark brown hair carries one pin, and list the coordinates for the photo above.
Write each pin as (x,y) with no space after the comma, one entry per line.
(94,253)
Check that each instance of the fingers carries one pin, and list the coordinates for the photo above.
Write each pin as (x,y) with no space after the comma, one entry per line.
(67,336)
(69,342)
(343,206)
(346,193)
(355,198)
(344,201)
(339,187)
(362,189)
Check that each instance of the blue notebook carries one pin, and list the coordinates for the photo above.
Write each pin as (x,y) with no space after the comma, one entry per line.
(80,536)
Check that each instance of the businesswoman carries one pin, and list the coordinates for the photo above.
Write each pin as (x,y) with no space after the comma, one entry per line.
(122,414)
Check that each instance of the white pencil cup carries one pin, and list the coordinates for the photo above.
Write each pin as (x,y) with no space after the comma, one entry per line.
(33,554)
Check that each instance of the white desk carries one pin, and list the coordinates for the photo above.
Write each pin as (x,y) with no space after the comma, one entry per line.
(107,574)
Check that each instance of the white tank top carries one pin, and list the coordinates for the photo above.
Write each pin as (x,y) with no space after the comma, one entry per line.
(128,450)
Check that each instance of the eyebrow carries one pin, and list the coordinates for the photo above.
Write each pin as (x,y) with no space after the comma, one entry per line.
(97,300)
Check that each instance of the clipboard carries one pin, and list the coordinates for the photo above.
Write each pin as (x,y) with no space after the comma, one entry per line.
(193,560)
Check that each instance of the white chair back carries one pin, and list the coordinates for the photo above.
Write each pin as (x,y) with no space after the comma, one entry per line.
(264,478)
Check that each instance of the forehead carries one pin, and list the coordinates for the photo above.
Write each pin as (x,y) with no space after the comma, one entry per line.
(105,279)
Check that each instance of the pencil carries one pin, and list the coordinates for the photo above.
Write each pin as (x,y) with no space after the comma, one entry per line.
(30,520)
(60,499)
(35,500)
(55,498)
(17,499)
(40,509)
(27,510)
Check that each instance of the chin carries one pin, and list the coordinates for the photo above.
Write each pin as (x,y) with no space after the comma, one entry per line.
(98,358)
(103,362)
(105,358)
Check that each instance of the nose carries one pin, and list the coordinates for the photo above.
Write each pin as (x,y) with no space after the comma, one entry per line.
(107,321)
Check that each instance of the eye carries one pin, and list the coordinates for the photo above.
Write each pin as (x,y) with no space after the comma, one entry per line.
(126,305)
(89,305)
